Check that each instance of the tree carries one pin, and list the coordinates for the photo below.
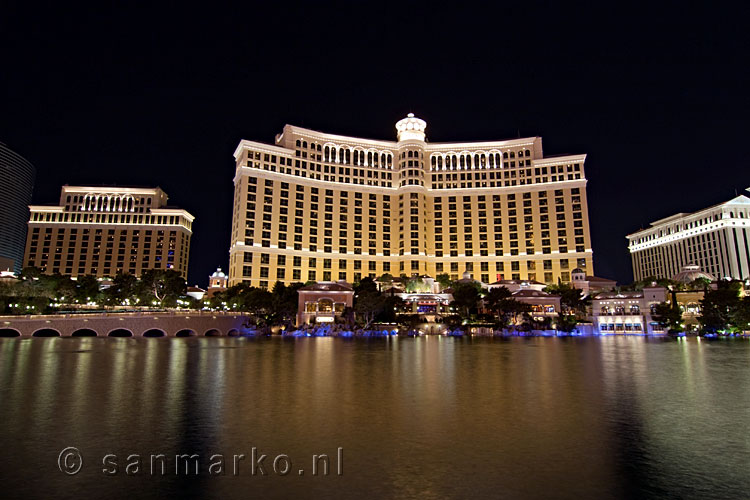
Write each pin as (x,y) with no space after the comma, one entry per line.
(285,302)
(392,305)
(386,279)
(465,298)
(500,301)
(444,280)
(125,287)
(30,273)
(64,289)
(368,304)
(496,299)
(566,322)
(719,307)
(668,316)
(571,298)
(741,314)
(365,285)
(259,303)
(164,285)
(87,289)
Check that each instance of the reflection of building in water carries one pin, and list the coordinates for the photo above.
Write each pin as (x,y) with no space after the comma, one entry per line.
(628,312)
(323,301)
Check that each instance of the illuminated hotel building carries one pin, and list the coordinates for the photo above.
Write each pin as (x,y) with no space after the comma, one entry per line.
(716,239)
(323,207)
(106,230)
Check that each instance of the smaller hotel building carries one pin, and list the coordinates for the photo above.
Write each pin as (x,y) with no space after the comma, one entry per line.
(103,231)
(717,239)
(628,313)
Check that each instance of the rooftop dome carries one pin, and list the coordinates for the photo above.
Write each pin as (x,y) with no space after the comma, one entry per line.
(690,273)
(578,270)
(218,273)
(411,128)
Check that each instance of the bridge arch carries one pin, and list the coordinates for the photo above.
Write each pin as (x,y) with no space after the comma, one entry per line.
(46,332)
(186,332)
(9,332)
(213,332)
(233,332)
(120,332)
(154,332)
(84,332)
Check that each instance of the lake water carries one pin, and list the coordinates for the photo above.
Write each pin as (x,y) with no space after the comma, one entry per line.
(626,417)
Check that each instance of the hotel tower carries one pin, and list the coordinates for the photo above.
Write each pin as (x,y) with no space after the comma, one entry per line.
(103,231)
(716,239)
(324,207)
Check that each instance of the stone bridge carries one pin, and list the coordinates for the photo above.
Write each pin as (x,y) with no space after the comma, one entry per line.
(130,324)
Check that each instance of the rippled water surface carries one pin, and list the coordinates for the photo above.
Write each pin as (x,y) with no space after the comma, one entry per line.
(415,418)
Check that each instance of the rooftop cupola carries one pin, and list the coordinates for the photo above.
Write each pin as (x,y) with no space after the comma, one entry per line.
(411,128)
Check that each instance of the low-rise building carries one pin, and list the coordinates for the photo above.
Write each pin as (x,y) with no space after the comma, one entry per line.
(323,302)
(590,285)
(543,304)
(217,282)
(516,285)
(628,312)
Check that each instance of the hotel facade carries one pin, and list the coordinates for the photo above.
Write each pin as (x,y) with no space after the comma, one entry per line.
(105,231)
(322,207)
(715,239)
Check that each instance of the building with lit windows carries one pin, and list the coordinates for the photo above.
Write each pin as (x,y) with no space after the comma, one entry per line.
(323,207)
(16,184)
(716,239)
(106,230)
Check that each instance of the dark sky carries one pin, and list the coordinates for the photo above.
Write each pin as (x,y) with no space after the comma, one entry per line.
(161,95)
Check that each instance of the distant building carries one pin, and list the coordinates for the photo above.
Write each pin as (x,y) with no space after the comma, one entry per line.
(196,292)
(16,184)
(717,239)
(217,282)
(628,312)
(107,230)
(590,285)
(543,304)
(323,302)
(516,285)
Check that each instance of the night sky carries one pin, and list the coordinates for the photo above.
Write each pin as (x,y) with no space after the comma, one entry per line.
(161,95)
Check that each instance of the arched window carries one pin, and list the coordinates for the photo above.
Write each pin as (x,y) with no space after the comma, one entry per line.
(325,305)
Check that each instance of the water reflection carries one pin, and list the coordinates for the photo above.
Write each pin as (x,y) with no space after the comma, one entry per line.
(612,417)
